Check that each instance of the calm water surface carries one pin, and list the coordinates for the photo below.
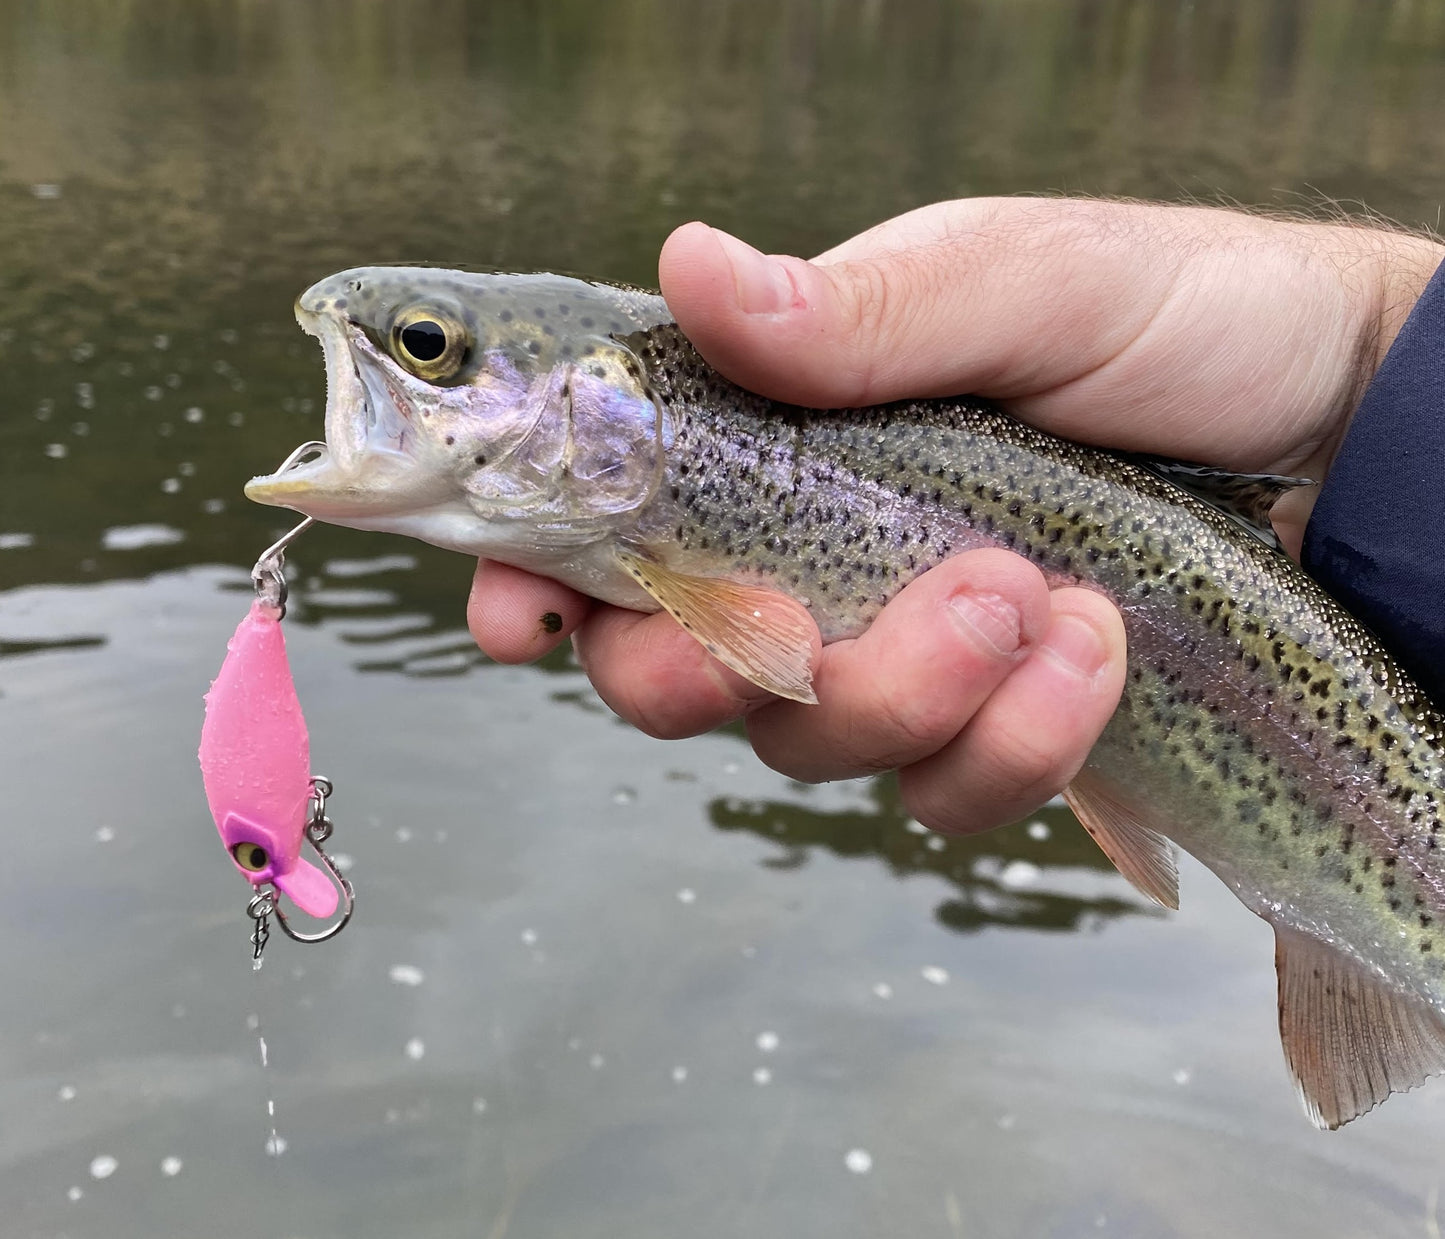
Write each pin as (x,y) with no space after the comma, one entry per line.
(597,985)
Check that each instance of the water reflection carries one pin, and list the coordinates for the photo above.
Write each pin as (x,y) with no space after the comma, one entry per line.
(1043,874)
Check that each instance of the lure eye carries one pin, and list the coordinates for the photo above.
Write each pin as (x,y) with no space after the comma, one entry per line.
(432,344)
(251,857)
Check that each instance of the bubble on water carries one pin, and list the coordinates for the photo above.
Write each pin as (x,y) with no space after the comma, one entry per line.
(574,1044)
(83,351)
(679,1075)
(687,895)
(883,990)
(164,429)
(934,975)
(624,796)
(178,1012)
(275,1145)
(1182,1075)
(173,381)
(66,1092)
(731,767)
(213,507)
(105,834)
(529,937)
(768,1041)
(935,843)
(103,1167)
(1019,873)
(73,1194)
(80,429)
(344,861)
(405,974)
(236,418)
(479,1105)
(153,392)
(46,191)
(161,342)
(915,827)
(228,335)
(171,1166)
(749,952)
(762,1075)
(171,485)
(416,1049)
(403,834)
(56,451)
(1006,1122)
(138,537)
(859,1161)
(186,469)
(85,395)
(253,1022)
(16,541)
(1038,830)
(597,1062)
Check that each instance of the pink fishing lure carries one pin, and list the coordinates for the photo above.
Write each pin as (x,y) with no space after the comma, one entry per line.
(256,764)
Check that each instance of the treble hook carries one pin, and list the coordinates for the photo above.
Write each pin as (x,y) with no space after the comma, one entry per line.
(267,574)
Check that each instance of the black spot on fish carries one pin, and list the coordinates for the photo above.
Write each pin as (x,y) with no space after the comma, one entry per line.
(551,622)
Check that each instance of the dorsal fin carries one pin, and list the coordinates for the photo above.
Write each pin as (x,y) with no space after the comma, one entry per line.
(1245,498)
(1349,1039)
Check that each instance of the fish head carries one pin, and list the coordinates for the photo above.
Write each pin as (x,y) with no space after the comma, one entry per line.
(485,413)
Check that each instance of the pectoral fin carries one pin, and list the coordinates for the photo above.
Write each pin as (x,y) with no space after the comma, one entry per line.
(763,635)
(1139,852)
(1349,1040)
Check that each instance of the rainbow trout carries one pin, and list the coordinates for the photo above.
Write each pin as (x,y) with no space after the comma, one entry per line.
(568,427)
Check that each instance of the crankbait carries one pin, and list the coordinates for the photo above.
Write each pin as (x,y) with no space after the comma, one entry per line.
(255,762)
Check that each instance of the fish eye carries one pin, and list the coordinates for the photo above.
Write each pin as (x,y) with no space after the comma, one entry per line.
(424,340)
(430,343)
(251,857)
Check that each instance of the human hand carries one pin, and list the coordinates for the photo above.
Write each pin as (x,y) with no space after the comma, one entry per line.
(1208,335)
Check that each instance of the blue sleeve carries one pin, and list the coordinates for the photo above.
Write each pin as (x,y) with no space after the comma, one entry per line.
(1376,538)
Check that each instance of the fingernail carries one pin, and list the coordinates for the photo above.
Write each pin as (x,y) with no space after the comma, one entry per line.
(1076,643)
(763,284)
(989,620)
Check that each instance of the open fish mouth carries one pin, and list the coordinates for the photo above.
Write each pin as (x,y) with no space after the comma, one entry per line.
(369,464)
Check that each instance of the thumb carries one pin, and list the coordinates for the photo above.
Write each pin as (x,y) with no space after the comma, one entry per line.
(1003,297)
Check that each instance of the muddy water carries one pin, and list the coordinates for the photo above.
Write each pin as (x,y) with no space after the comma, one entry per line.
(597,985)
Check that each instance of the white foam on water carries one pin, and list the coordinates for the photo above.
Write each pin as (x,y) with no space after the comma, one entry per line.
(405,974)
(768,1042)
(103,1166)
(934,975)
(171,1166)
(416,1049)
(859,1161)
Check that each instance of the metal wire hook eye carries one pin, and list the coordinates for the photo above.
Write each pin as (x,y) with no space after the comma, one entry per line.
(267,574)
